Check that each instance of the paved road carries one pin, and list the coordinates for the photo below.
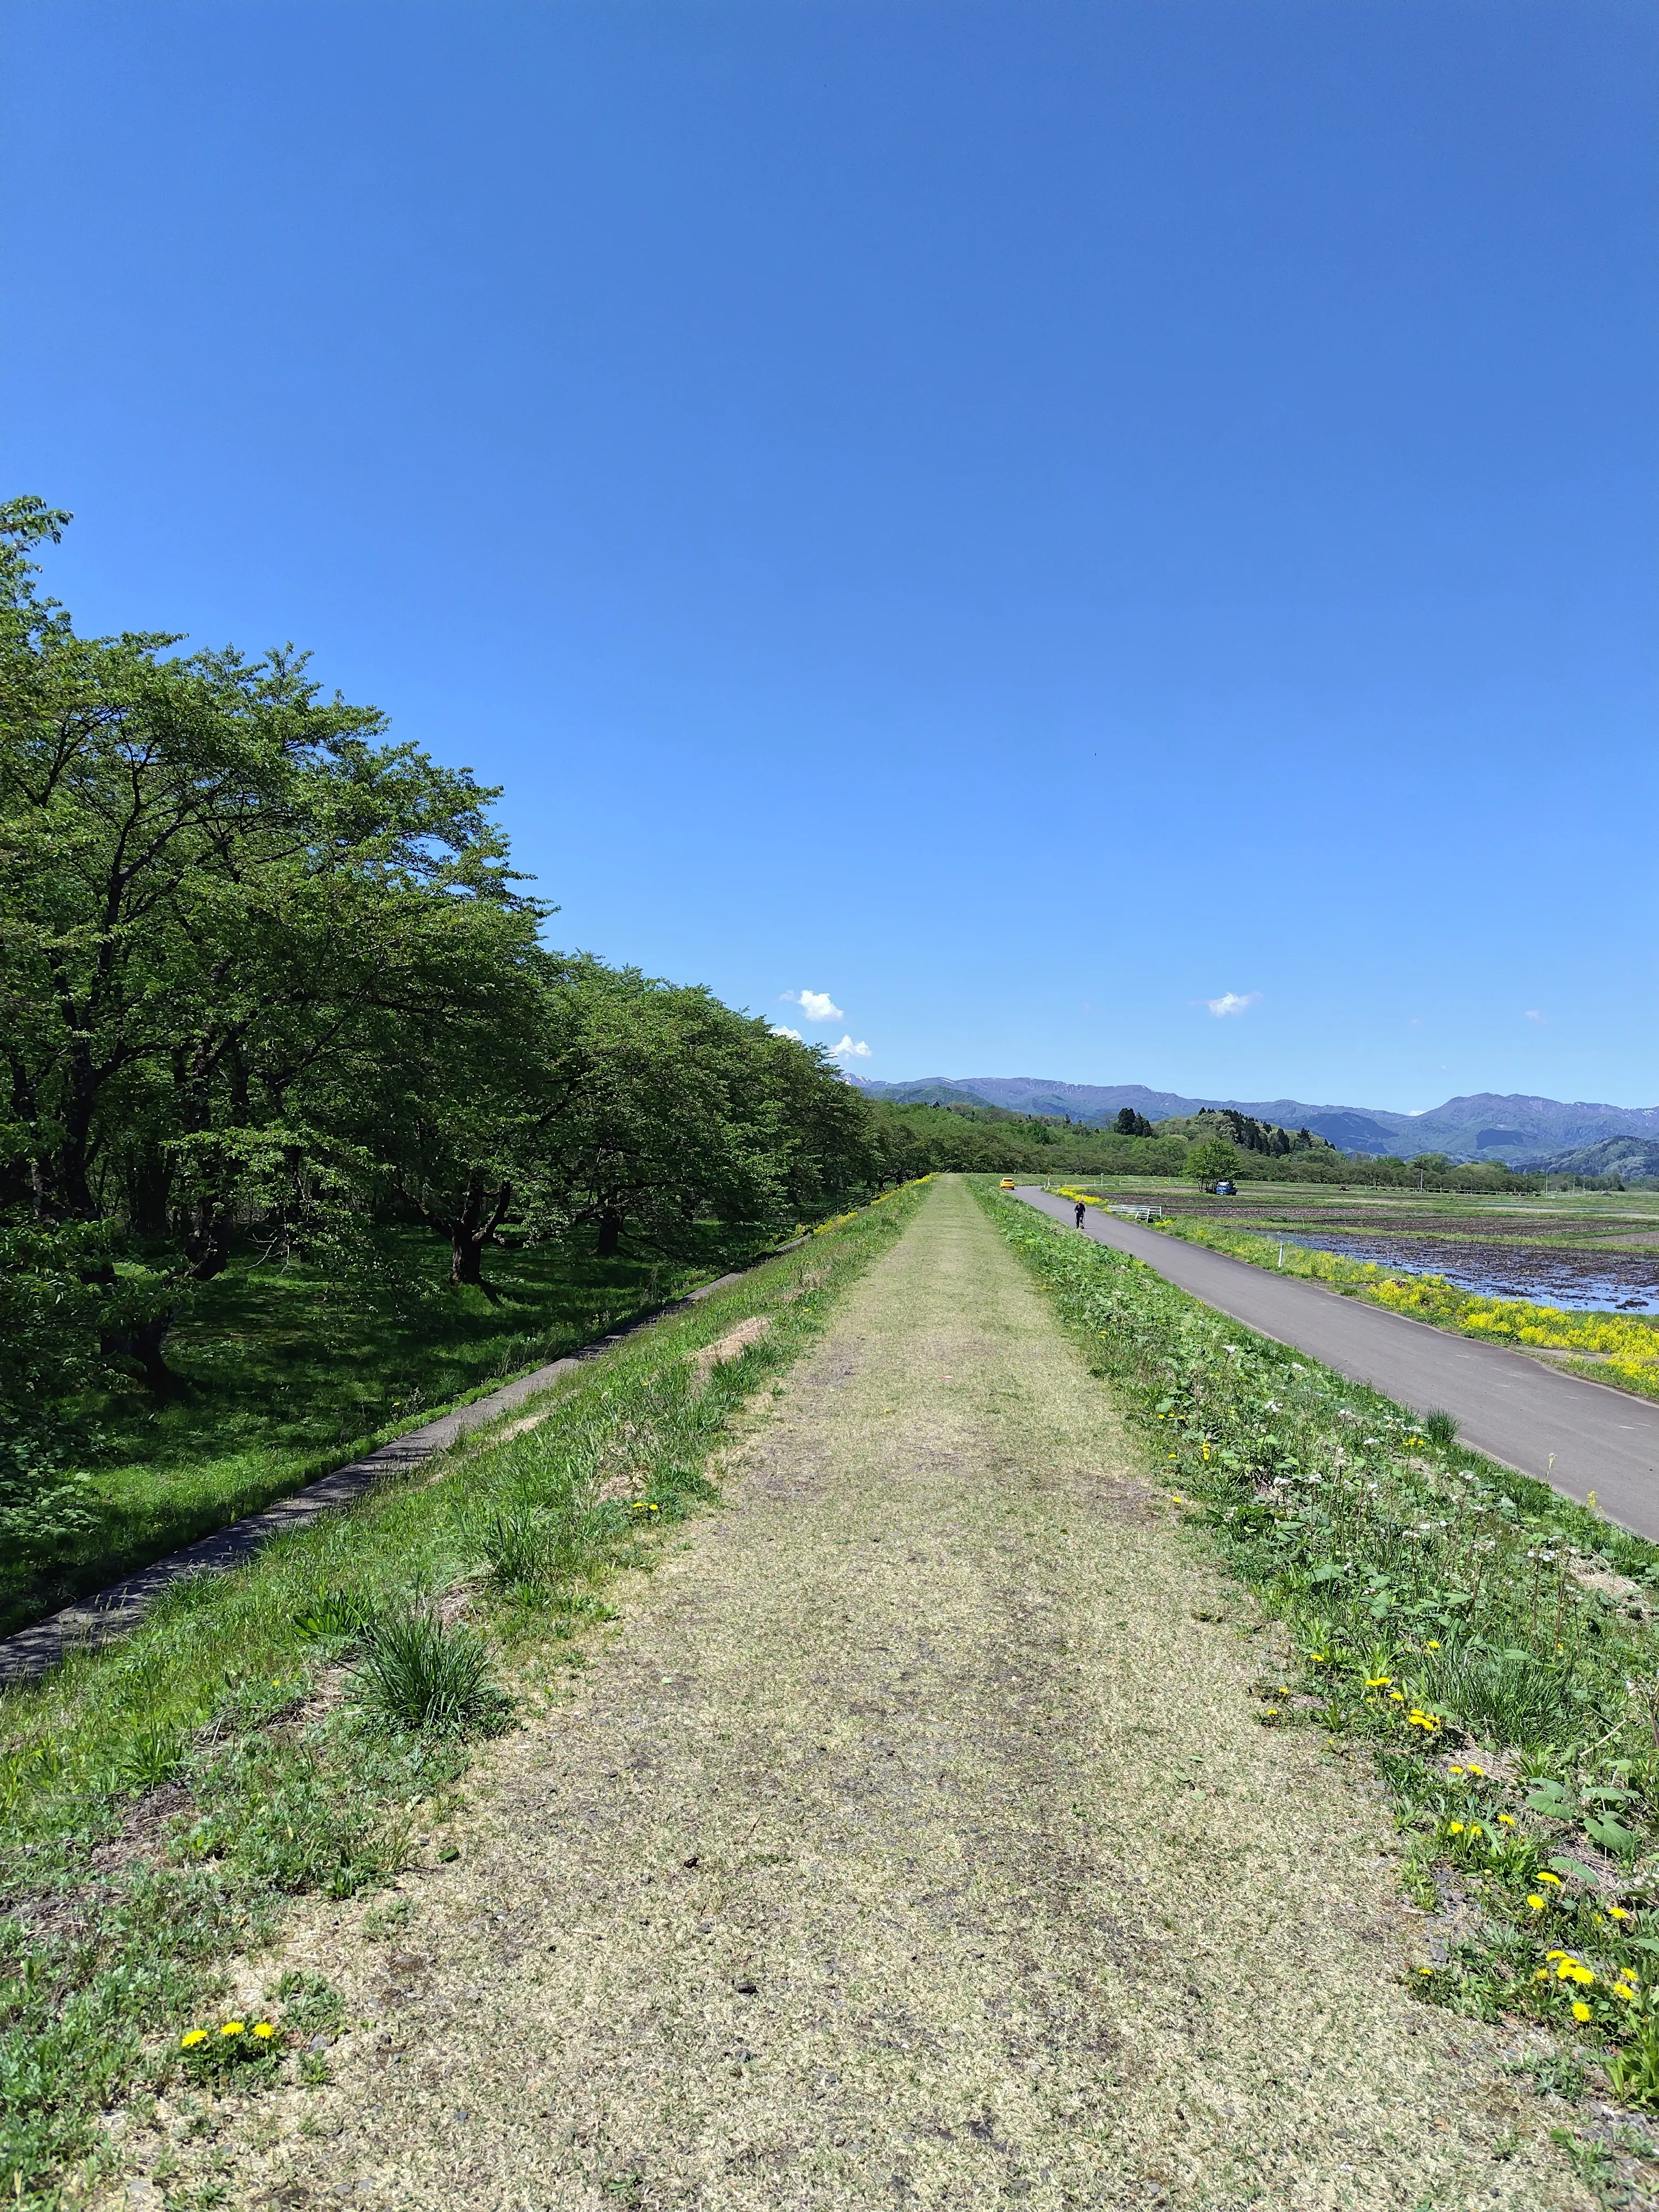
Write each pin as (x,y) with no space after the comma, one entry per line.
(1513,1408)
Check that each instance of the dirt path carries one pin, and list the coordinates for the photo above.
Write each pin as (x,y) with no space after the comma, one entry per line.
(913,1842)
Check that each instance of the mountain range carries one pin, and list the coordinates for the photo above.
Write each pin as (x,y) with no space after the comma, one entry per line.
(1524,1131)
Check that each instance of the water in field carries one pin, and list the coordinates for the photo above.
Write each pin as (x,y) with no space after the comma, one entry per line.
(1598,1281)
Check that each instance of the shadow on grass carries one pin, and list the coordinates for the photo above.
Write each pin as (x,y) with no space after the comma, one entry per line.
(289,1377)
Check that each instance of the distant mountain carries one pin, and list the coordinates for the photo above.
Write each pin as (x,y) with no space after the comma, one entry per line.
(1521,1130)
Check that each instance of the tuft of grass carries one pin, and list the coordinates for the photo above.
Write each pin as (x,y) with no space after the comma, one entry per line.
(417,1675)
(1507,1698)
(1440,1428)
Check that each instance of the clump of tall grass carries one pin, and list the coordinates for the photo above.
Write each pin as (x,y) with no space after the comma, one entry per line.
(426,1679)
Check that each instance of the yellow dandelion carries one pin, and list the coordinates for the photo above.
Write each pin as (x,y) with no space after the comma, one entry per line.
(1432,1645)
(263,2030)
(1580,2010)
(1554,1878)
(233,2027)
(1617,1912)
(195,2035)
(1456,1828)
(1625,1990)
(1536,1903)
(1508,1820)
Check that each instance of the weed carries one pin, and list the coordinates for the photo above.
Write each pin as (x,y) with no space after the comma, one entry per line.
(1440,1428)
(1552,2073)
(311,2005)
(419,1676)
(1634,2071)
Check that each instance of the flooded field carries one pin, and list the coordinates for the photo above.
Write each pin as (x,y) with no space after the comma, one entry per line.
(1583,1256)
(1554,1275)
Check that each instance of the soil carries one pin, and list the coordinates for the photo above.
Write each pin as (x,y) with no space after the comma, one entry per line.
(914,1840)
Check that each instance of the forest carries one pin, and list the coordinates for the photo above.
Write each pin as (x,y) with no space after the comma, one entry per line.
(278,1012)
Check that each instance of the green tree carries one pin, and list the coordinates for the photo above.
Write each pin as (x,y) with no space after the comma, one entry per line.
(216,885)
(1212,1162)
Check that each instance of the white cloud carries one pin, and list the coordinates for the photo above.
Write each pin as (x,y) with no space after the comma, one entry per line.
(1532,1015)
(847,1050)
(1234,1002)
(778,1029)
(816,1005)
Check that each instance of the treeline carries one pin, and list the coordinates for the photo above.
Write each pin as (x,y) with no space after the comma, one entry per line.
(919,1139)
(268,978)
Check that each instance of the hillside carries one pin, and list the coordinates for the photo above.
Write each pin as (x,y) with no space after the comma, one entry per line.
(1633,1159)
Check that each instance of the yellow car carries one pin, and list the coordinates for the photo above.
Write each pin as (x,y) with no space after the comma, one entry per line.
(1007,1182)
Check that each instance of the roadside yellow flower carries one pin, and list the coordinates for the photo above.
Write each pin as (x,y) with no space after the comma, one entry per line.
(1432,1645)
(233,2027)
(1552,1956)
(1472,1769)
(1536,1903)
(1382,1682)
(263,2030)
(1617,1912)
(1425,1970)
(1456,1828)
(1396,1698)
(1508,1820)
(1541,1974)
(189,2041)
(1554,1878)
(1580,2010)
(1625,1990)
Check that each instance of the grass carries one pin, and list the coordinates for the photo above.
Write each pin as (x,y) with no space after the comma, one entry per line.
(160,1799)
(1617,1348)
(1488,1641)
(289,1375)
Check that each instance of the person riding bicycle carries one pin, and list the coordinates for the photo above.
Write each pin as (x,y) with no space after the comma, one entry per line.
(1079,1213)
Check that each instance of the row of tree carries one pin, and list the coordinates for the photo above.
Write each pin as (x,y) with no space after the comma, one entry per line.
(267,974)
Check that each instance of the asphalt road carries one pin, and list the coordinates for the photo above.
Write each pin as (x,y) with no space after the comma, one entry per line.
(1575,1435)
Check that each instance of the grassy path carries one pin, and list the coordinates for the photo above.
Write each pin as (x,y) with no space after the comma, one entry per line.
(913,1842)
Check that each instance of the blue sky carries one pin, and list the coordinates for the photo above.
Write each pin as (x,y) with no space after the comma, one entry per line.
(1024,519)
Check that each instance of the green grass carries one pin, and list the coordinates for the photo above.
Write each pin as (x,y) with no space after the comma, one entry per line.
(289,1375)
(1487,1640)
(158,1800)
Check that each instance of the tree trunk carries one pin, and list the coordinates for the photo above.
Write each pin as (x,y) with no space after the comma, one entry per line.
(471,1230)
(610,1235)
(143,1342)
